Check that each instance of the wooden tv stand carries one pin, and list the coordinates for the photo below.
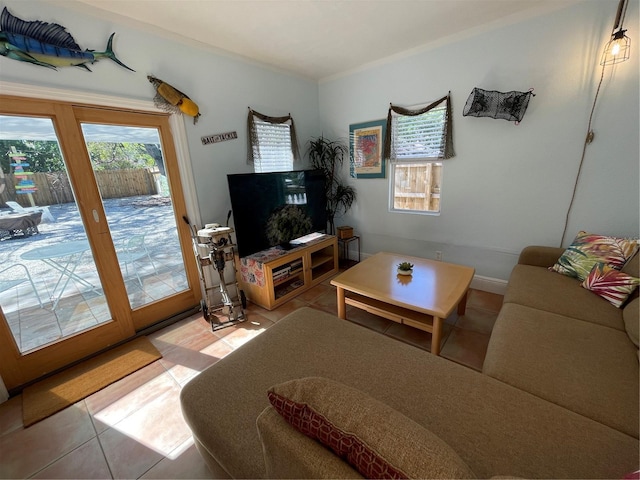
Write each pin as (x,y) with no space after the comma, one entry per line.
(275,276)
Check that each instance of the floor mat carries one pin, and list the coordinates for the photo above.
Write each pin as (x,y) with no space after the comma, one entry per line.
(55,393)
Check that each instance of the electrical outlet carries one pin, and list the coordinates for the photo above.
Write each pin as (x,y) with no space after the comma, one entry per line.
(438,255)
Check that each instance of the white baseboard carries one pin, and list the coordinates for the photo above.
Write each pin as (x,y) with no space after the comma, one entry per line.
(488,284)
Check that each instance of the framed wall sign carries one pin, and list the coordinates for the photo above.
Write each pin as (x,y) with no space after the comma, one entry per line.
(366,147)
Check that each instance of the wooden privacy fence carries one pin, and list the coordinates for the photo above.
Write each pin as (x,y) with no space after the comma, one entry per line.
(417,187)
(54,188)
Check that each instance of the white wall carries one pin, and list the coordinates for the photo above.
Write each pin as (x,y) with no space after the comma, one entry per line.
(223,86)
(509,186)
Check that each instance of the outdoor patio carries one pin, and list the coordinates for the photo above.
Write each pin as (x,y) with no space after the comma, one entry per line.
(73,303)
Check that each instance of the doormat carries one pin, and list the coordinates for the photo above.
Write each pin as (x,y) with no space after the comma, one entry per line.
(55,393)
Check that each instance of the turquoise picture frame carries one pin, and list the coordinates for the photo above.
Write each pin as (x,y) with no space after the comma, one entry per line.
(366,149)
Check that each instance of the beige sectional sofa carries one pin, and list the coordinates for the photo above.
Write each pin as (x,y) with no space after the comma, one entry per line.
(561,342)
(558,397)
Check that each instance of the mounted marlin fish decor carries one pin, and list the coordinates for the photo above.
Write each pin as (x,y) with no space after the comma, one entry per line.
(46,44)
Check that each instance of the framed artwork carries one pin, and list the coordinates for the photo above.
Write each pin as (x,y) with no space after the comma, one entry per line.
(366,148)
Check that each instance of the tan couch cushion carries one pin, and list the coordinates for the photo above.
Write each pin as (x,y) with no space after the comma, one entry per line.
(540,256)
(631,315)
(633,266)
(586,368)
(496,429)
(372,437)
(291,454)
(537,287)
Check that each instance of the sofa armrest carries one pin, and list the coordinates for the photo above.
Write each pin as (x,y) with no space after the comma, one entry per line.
(539,256)
(291,454)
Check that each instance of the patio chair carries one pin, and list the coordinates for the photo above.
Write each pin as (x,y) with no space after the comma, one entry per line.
(134,250)
(17,208)
(8,281)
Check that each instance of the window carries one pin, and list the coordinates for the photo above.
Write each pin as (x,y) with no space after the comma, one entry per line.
(274,146)
(272,143)
(419,141)
(416,186)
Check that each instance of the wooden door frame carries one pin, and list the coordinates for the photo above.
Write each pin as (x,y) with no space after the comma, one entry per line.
(176,122)
(16,368)
(96,115)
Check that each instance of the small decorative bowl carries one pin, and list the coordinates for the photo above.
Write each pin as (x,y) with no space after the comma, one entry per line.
(404,272)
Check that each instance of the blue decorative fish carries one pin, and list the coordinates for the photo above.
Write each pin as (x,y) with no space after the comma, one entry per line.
(46,44)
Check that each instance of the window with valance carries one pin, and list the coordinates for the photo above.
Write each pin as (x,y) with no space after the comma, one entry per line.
(417,140)
(272,143)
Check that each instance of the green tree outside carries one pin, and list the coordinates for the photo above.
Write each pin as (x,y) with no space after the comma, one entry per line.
(45,156)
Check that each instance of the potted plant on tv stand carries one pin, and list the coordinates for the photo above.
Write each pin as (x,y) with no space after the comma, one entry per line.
(328,156)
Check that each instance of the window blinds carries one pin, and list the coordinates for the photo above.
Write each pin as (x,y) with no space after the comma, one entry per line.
(274,146)
(272,143)
(419,134)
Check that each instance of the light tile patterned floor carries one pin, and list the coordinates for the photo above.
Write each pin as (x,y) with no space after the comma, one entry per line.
(134,428)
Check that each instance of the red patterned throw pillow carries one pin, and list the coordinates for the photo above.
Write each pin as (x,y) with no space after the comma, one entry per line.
(375,439)
(611,284)
(345,445)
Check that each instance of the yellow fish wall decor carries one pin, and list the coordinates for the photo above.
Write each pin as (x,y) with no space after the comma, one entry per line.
(173,100)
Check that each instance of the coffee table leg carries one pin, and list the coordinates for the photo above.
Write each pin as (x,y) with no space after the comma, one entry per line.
(342,306)
(436,335)
(462,306)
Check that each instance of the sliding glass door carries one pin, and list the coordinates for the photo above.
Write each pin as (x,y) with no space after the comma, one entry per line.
(49,289)
(129,165)
(90,243)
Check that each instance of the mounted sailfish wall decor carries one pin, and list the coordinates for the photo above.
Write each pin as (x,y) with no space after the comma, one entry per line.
(173,100)
(46,44)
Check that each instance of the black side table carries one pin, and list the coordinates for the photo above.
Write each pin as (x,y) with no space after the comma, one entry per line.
(343,246)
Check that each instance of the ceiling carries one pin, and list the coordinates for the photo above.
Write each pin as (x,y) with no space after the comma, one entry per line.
(317,39)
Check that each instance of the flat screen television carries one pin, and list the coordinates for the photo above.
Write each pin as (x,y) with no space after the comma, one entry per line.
(272,209)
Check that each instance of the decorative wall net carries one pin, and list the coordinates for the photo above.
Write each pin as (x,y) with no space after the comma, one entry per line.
(509,106)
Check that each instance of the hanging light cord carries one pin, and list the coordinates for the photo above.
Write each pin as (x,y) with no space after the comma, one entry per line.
(587,141)
(622,12)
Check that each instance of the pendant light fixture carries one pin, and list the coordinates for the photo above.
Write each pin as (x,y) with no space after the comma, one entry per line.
(619,47)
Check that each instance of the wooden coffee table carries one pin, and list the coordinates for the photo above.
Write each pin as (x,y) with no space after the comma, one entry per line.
(422,300)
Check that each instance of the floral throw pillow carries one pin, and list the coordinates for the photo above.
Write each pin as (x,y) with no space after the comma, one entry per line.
(588,249)
(611,284)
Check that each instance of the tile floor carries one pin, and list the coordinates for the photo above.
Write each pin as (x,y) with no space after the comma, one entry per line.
(134,428)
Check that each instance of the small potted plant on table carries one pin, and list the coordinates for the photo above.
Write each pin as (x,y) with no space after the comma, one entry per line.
(405,268)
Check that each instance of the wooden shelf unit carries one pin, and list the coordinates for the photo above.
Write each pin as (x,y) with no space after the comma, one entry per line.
(293,273)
